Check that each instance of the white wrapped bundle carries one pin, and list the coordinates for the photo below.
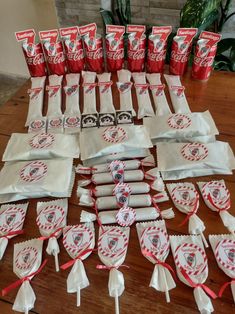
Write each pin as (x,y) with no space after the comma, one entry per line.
(41,146)
(89,96)
(124,85)
(106,99)
(182,127)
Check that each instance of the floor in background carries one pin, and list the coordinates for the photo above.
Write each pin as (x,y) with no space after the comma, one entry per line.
(8,86)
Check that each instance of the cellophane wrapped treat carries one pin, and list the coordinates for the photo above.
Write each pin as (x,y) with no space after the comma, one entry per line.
(12,218)
(155,246)
(217,197)
(136,47)
(79,242)
(192,268)
(114,43)
(51,219)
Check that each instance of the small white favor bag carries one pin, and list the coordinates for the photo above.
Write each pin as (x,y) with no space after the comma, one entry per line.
(124,86)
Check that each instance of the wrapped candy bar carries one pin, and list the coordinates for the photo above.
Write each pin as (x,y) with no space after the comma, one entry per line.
(159,97)
(51,219)
(96,143)
(79,242)
(26,264)
(186,200)
(54,113)
(192,268)
(41,146)
(144,103)
(136,47)
(12,218)
(114,43)
(112,249)
(24,179)
(182,127)
(217,197)
(72,114)
(155,246)
(223,246)
(177,94)
(180,160)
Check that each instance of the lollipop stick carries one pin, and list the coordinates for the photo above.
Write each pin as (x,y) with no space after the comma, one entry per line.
(26,311)
(204,240)
(233,291)
(116,304)
(57,263)
(168,300)
(78,297)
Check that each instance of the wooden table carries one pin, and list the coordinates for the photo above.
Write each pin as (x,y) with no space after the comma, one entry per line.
(217,95)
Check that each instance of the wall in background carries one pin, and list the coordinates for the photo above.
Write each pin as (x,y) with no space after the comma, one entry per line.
(18,15)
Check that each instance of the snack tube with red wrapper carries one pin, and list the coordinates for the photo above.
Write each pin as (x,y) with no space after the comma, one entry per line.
(192,268)
(217,197)
(53,51)
(157,47)
(145,108)
(51,219)
(72,114)
(26,264)
(93,45)
(159,97)
(32,52)
(12,218)
(114,43)
(204,55)
(79,242)
(89,96)
(223,246)
(124,86)
(136,47)
(112,249)
(155,246)
(178,98)
(73,48)
(181,49)
(106,99)
(186,199)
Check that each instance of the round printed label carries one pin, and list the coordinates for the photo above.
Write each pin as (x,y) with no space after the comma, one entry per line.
(26,258)
(114,134)
(191,258)
(194,151)
(11,219)
(112,243)
(51,217)
(225,253)
(33,171)
(126,216)
(184,195)
(37,125)
(179,121)
(72,122)
(42,140)
(55,123)
(218,192)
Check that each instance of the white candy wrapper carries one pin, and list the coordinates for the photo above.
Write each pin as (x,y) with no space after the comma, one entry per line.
(72,114)
(12,218)
(178,97)
(54,113)
(217,197)
(112,249)
(144,103)
(89,96)
(41,146)
(157,182)
(79,242)
(106,99)
(26,264)
(192,268)
(51,219)
(186,199)
(34,179)
(182,127)
(114,139)
(36,95)
(124,86)
(159,97)
(180,160)
(223,246)
(155,246)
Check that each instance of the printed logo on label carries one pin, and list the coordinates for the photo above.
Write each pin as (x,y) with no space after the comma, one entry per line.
(42,140)
(194,151)
(124,117)
(178,90)
(218,192)
(179,121)
(90,120)
(126,216)
(55,123)
(114,135)
(37,125)
(11,219)
(157,89)
(51,217)
(124,87)
(225,253)
(184,195)
(107,119)
(33,171)
(26,258)
(72,122)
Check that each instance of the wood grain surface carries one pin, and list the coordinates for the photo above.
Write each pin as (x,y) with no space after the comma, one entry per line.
(217,95)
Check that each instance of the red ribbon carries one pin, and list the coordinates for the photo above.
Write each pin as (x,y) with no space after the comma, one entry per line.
(71,262)
(196,285)
(218,208)
(17,283)
(224,286)
(191,213)
(53,235)
(12,233)
(110,267)
(97,217)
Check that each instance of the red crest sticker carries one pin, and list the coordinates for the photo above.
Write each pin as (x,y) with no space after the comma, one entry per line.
(179,121)
(33,171)
(11,219)
(225,253)
(114,135)
(126,216)
(26,258)
(51,217)
(184,195)
(194,151)
(42,140)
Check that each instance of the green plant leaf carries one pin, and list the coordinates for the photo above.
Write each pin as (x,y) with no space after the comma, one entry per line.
(208,21)
(225,44)
(124,11)
(107,17)
(232,58)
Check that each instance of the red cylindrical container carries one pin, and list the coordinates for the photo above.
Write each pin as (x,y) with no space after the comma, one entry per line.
(156,55)
(35,62)
(94,56)
(114,53)
(74,56)
(56,62)
(203,65)
(136,57)
(180,51)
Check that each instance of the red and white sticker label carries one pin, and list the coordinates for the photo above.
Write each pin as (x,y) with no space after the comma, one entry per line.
(33,171)
(178,90)
(157,90)
(114,135)
(71,90)
(12,219)
(55,123)
(42,140)
(116,168)
(53,90)
(72,122)
(51,217)
(122,192)
(70,33)
(179,121)
(114,35)
(191,258)
(194,151)
(219,193)
(124,87)
(26,258)
(89,88)
(162,31)
(138,30)
(34,92)
(206,41)
(105,87)
(112,243)
(28,36)
(142,89)
(37,125)
(126,216)
(184,195)
(225,253)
